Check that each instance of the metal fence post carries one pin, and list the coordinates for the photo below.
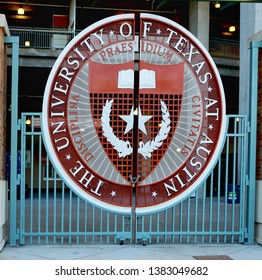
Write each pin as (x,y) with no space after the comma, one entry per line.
(14,118)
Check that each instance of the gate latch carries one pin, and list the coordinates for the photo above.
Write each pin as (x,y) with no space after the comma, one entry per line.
(134,180)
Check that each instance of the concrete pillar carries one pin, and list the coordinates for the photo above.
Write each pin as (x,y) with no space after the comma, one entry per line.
(3,184)
(72,15)
(250,30)
(250,24)
(199,21)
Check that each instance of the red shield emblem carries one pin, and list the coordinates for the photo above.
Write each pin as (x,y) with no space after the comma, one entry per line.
(160,95)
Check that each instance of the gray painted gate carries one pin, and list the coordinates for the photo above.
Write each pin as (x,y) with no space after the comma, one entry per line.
(50,213)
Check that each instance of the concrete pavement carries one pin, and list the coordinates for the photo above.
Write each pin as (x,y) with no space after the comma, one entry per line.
(132,252)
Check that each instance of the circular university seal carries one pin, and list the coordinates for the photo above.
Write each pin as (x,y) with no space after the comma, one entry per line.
(127,114)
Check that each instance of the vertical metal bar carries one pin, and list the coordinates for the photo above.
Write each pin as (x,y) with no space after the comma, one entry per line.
(135,151)
(196,214)
(107,227)
(241,144)
(70,217)
(115,227)
(157,226)
(47,199)
(150,223)
(211,205)
(85,221)
(93,223)
(62,213)
(77,219)
(39,182)
(188,219)
(225,181)
(203,212)
(173,223)
(14,138)
(226,186)
(101,226)
(32,212)
(108,217)
(22,185)
(243,180)
(234,180)
(181,223)
(53,177)
(252,139)
(124,226)
(165,225)
(141,224)
(218,198)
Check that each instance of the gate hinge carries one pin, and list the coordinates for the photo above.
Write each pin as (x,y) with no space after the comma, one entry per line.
(248,127)
(18,180)
(247,180)
(123,236)
(144,238)
(19,122)
(17,234)
(245,233)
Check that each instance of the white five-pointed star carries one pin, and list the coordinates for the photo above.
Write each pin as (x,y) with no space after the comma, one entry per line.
(113,193)
(154,194)
(130,120)
(68,157)
(210,126)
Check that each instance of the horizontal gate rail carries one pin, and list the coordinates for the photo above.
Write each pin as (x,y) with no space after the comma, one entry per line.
(51,213)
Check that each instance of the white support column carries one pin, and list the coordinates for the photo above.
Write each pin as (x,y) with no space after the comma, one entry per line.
(199,21)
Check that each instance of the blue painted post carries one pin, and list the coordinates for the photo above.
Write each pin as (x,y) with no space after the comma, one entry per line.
(252,138)
(14,127)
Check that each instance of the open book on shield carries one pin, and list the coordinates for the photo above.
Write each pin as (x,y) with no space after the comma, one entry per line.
(147,79)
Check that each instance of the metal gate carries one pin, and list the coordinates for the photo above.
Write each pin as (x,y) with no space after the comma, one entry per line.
(43,210)
(51,213)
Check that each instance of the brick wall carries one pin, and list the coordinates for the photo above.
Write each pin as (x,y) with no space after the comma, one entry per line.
(3,73)
(259,120)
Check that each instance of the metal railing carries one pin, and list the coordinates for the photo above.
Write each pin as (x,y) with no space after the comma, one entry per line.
(224,48)
(58,38)
(42,38)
